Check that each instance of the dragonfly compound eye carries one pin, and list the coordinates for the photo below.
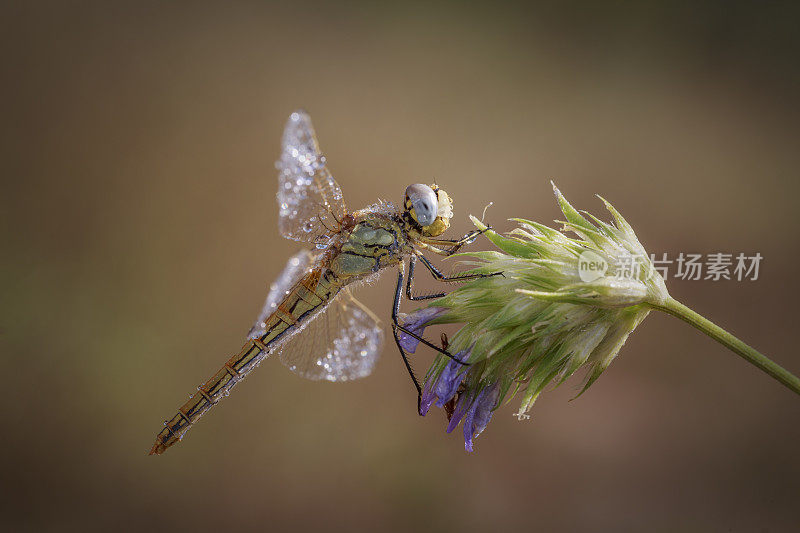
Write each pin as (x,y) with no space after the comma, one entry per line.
(423,201)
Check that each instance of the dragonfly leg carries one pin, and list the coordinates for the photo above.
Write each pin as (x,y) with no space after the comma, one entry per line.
(412,262)
(397,327)
(448,247)
(427,343)
(395,310)
(439,276)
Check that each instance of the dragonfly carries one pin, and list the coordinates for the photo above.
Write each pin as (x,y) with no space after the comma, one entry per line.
(310,318)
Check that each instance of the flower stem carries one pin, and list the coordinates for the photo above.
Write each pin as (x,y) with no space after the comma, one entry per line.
(677,309)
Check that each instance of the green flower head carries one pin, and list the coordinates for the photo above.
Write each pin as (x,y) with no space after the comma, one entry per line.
(562,304)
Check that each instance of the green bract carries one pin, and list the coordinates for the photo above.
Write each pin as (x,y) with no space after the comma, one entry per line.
(542,321)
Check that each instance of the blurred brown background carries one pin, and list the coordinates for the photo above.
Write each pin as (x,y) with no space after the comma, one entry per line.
(139,236)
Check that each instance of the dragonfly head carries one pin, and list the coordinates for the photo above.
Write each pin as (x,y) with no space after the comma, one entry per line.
(430,207)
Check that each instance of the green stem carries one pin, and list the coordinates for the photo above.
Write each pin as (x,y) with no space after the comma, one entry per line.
(677,309)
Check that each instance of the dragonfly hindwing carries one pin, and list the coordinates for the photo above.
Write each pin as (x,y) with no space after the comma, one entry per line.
(340,341)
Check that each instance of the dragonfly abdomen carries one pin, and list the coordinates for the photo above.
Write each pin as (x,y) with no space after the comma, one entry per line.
(306,297)
(208,394)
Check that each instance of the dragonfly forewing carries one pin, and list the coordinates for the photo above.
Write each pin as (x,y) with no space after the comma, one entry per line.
(310,202)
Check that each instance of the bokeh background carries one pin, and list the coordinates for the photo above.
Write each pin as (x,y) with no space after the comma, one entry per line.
(139,238)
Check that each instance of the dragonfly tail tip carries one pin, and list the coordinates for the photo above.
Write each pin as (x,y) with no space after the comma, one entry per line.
(157,449)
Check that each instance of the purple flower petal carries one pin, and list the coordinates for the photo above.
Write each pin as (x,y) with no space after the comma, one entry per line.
(416,322)
(484,411)
(468,421)
(462,405)
(450,378)
(427,399)
(480,413)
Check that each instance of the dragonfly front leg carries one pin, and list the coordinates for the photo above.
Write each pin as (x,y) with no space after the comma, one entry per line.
(448,247)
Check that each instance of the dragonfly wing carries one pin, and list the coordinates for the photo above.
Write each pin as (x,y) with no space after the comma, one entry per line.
(342,343)
(291,274)
(309,199)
